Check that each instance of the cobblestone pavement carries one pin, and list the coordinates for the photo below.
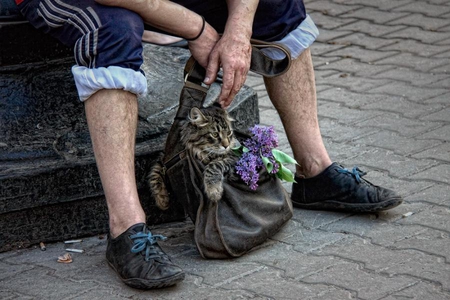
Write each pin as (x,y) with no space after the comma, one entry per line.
(383,83)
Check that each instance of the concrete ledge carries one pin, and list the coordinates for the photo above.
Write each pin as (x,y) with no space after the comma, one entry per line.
(49,186)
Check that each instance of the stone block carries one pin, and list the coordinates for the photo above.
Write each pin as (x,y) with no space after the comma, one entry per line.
(49,185)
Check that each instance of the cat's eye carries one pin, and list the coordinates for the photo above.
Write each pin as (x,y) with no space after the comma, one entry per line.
(214,134)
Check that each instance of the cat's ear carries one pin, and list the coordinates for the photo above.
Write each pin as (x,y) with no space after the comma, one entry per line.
(197,118)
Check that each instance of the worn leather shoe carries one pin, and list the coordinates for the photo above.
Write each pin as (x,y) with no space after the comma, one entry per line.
(139,261)
(339,189)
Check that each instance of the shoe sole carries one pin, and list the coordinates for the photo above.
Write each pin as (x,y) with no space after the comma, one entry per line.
(350,207)
(145,284)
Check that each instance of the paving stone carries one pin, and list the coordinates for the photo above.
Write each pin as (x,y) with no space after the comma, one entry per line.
(442,84)
(7,295)
(353,277)
(374,15)
(422,241)
(441,115)
(413,93)
(358,53)
(100,292)
(426,23)
(330,8)
(400,105)
(387,161)
(414,77)
(193,288)
(381,4)
(439,133)
(375,30)
(398,144)
(350,65)
(353,83)
(343,114)
(418,34)
(415,47)
(444,2)
(322,48)
(443,99)
(306,240)
(329,22)
(352,99)
(444,42)
(320,61)
(338,132)
(439,152)
(436,193)
(326,35)
(49,287)
(405,127)
(440,173)
(422,7)
(418,63)
(363,225)
(419,291)
(9,270)
(436,218)
(398,263)
(340,152)
(296,265)
(272,284)
(366,41)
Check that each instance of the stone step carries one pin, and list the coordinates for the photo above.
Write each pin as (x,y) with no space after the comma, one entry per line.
(49,185)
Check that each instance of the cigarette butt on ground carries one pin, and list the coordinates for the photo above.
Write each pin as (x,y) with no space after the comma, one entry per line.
(42,246)
(408,214)
(75,250)
(65,259)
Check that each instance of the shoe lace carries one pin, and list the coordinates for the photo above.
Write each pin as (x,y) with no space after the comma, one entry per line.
(146,241)
(355,172)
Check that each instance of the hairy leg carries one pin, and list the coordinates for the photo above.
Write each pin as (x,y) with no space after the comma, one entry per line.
(112,121)
(294,96)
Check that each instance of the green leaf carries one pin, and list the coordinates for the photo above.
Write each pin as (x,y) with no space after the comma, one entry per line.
(245,149)
(282,157)
(285,174)
(237,150)
(267,163)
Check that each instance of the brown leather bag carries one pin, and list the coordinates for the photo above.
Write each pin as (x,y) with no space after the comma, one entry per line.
(243,218)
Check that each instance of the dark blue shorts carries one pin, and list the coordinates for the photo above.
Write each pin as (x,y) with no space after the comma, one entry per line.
(107,40)
(274,19)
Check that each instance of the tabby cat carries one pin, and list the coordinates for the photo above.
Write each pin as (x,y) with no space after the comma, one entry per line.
(207,134)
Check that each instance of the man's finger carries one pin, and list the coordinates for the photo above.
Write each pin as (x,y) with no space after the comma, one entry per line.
(227,86)
(212,69)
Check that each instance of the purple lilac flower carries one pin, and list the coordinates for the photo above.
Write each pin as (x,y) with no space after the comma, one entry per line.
(261,143)
(247,167)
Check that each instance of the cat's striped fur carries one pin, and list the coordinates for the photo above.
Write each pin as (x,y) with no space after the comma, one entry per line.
(208,135)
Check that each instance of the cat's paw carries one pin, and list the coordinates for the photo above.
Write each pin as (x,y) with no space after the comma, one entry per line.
(214,192)
(162,202)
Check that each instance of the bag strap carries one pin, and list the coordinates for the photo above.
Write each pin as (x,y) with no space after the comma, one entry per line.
(260,63)
(194,90)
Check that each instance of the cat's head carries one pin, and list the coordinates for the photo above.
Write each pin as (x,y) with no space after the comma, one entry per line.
(208,132)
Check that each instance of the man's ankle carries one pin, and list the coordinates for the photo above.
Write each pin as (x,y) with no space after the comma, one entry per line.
(117,228)
(311,169)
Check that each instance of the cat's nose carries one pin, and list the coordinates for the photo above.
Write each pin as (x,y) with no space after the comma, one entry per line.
(225,144)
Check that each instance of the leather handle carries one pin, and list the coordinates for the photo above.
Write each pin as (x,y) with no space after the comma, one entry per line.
(260,63)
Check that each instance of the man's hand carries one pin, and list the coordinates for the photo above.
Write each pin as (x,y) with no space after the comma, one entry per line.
(232,53)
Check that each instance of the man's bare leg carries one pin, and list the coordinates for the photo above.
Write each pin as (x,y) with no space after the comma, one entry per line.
(320,184)
(294,96)
(112,120)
